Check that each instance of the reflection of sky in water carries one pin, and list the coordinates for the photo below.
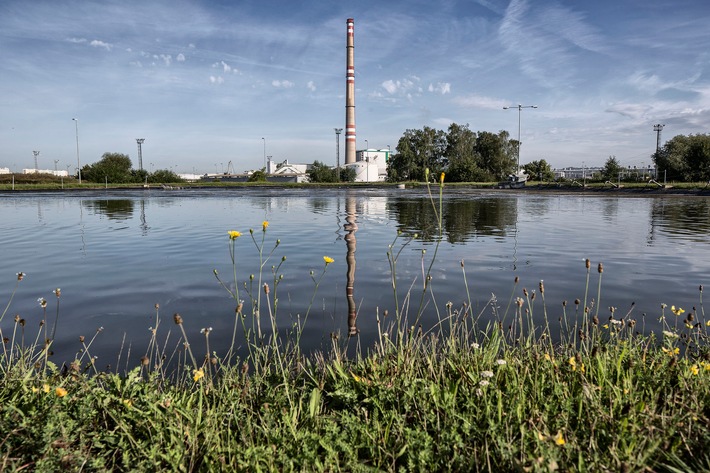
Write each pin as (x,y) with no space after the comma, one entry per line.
(116,255)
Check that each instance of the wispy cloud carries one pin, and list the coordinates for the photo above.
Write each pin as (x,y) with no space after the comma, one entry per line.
(282,84)
(478,101)
(100,44)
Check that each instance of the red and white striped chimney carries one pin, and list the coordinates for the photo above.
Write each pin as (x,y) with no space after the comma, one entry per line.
(350,139)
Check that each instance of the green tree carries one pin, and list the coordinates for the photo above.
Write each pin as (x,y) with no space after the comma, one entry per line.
(498,158)
(112,167)
(611,169)
(670,159)
(418,150)
(320,172)
(347,174)
(258,176)
(539,169)
(697,158)
(163,175)
(461,155)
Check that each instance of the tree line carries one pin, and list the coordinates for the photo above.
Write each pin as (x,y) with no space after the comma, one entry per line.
(117,168)
(684,158)
(465,155)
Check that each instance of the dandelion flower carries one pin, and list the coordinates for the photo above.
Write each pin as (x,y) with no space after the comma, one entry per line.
(198,374)
(45,388)
(441,178)
(559,439)
(328,260)
(42,302)
(264,225)
(677,311)
(694,370)
(233,234)
(60,391)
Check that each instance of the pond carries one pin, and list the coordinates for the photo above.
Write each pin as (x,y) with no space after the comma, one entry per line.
(116,254)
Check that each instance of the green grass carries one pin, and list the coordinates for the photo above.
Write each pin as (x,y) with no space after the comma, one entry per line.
(485,391)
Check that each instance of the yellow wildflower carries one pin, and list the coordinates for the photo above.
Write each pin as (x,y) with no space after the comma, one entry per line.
(559,439)
(671,351)
(573,363)
(35,389)
(60,391)
(233,234)
(677,311)
(127,402)
(198,374)
(264,225)
(548,357)
(328,260)
(441,178)
(45,388)
(707,323)
(694,370)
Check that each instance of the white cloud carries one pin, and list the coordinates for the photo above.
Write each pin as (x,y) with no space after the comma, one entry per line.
(282,84)
(216,79)
(180,57)
(440,88)
(407,87)
(311,86)
(100,44)
(167,59)
(478,101)
(77,40)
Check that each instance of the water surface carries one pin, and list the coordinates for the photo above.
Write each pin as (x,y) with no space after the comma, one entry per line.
(115,254)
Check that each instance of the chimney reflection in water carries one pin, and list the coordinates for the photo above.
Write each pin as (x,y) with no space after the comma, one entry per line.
(351,244)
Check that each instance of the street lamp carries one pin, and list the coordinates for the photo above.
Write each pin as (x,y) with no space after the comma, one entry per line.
(520,109)
(78,164)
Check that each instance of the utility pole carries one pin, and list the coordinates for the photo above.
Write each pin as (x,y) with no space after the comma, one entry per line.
(140,152)
(657,128)
(338,131)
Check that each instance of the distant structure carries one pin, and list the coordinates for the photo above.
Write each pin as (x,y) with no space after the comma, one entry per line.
(140,152)
(350,138)
(36,153)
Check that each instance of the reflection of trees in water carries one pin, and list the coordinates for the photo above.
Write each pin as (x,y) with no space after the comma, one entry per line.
(114,209)
(462,218)
(688,218)
(319,205)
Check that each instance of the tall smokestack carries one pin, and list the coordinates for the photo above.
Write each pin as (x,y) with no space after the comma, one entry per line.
(350,139)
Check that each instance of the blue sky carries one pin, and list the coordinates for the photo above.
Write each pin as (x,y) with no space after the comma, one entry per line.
(204,81)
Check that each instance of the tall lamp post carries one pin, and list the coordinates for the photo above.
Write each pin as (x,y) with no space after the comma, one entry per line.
(264,140)
(78,163)
(338,131)
(520,109)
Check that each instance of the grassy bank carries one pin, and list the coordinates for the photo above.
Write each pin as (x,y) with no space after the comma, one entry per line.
(586,389)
